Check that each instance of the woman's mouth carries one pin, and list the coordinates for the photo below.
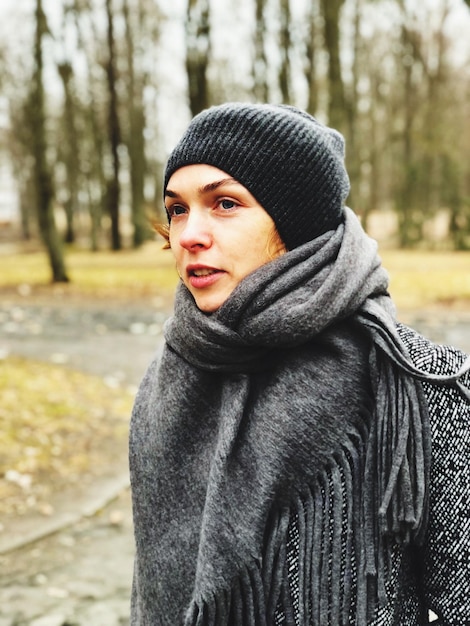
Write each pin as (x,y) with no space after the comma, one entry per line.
(201,277)
(202,272)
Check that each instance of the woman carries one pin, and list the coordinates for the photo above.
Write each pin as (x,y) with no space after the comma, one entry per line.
(297,457)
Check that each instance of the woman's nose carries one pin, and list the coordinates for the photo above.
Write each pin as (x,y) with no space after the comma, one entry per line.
(196,231)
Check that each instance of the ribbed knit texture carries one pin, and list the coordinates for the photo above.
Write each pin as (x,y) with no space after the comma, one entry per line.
(291,163)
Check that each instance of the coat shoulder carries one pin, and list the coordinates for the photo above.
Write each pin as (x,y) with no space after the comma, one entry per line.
(431,357)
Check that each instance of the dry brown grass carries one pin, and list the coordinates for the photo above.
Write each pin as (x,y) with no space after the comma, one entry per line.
(125,275)
(418,279)
(56,425)
(421,280)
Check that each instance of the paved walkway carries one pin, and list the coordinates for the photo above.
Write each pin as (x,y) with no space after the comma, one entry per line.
(80,574)
(75,567)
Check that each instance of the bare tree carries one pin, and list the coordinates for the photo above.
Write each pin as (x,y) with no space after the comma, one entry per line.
(136,142)
(285,45)
(113,186)
(399,95)
(19,147)
(404,197)
(198,48)
(94,137)
(260,65)
(310,63)
(459,223)
(426,154)
(70,150)
(331,14)
(42,172)
(351,97)
(434,131)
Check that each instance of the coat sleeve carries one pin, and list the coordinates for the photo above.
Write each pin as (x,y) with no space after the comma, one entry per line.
(446,571)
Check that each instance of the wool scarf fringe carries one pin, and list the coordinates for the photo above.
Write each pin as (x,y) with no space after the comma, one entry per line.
(342,536)
(374,319)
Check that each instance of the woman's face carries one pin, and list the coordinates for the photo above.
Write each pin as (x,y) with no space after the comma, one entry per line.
(219,233)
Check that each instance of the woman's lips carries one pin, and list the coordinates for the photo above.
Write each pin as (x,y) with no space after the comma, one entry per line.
(202,276)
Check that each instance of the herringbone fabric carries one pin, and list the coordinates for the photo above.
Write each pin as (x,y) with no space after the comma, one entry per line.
(437,576)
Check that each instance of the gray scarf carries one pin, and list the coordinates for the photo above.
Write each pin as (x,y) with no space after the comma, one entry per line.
(298,381)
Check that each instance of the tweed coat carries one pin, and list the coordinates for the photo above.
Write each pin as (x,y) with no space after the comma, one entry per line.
(434,579)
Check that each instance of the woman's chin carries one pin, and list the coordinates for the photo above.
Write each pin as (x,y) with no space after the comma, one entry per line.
(209,302)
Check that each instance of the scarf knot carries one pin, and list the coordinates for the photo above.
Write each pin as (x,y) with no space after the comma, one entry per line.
(283,304)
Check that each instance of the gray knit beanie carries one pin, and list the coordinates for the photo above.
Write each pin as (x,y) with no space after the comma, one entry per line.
(291,163)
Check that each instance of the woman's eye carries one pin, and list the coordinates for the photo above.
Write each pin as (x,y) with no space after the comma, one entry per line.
(227,204)
(176,209)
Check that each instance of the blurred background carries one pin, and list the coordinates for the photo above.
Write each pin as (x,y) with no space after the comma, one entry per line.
(93,95)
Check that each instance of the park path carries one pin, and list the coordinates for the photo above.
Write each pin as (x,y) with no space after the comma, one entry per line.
(81,574)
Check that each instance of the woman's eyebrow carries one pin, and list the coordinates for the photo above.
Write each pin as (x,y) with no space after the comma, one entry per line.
(206,188)
(216,184)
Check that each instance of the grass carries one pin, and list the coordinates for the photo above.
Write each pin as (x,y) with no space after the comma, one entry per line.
(428,279)
(121,275)
(418,279)
(56,425)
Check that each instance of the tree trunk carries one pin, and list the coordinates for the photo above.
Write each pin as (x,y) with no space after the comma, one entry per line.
(198,54)
(331,14)
(94,139)
(413,161)
(42,173)
(353,158)
(136,143)
(70,150)
(459,223)
(113,186)
(405,195)
(20,145)
(435,130)
(285,43)
(310,68)
(260,82)
(27,194)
